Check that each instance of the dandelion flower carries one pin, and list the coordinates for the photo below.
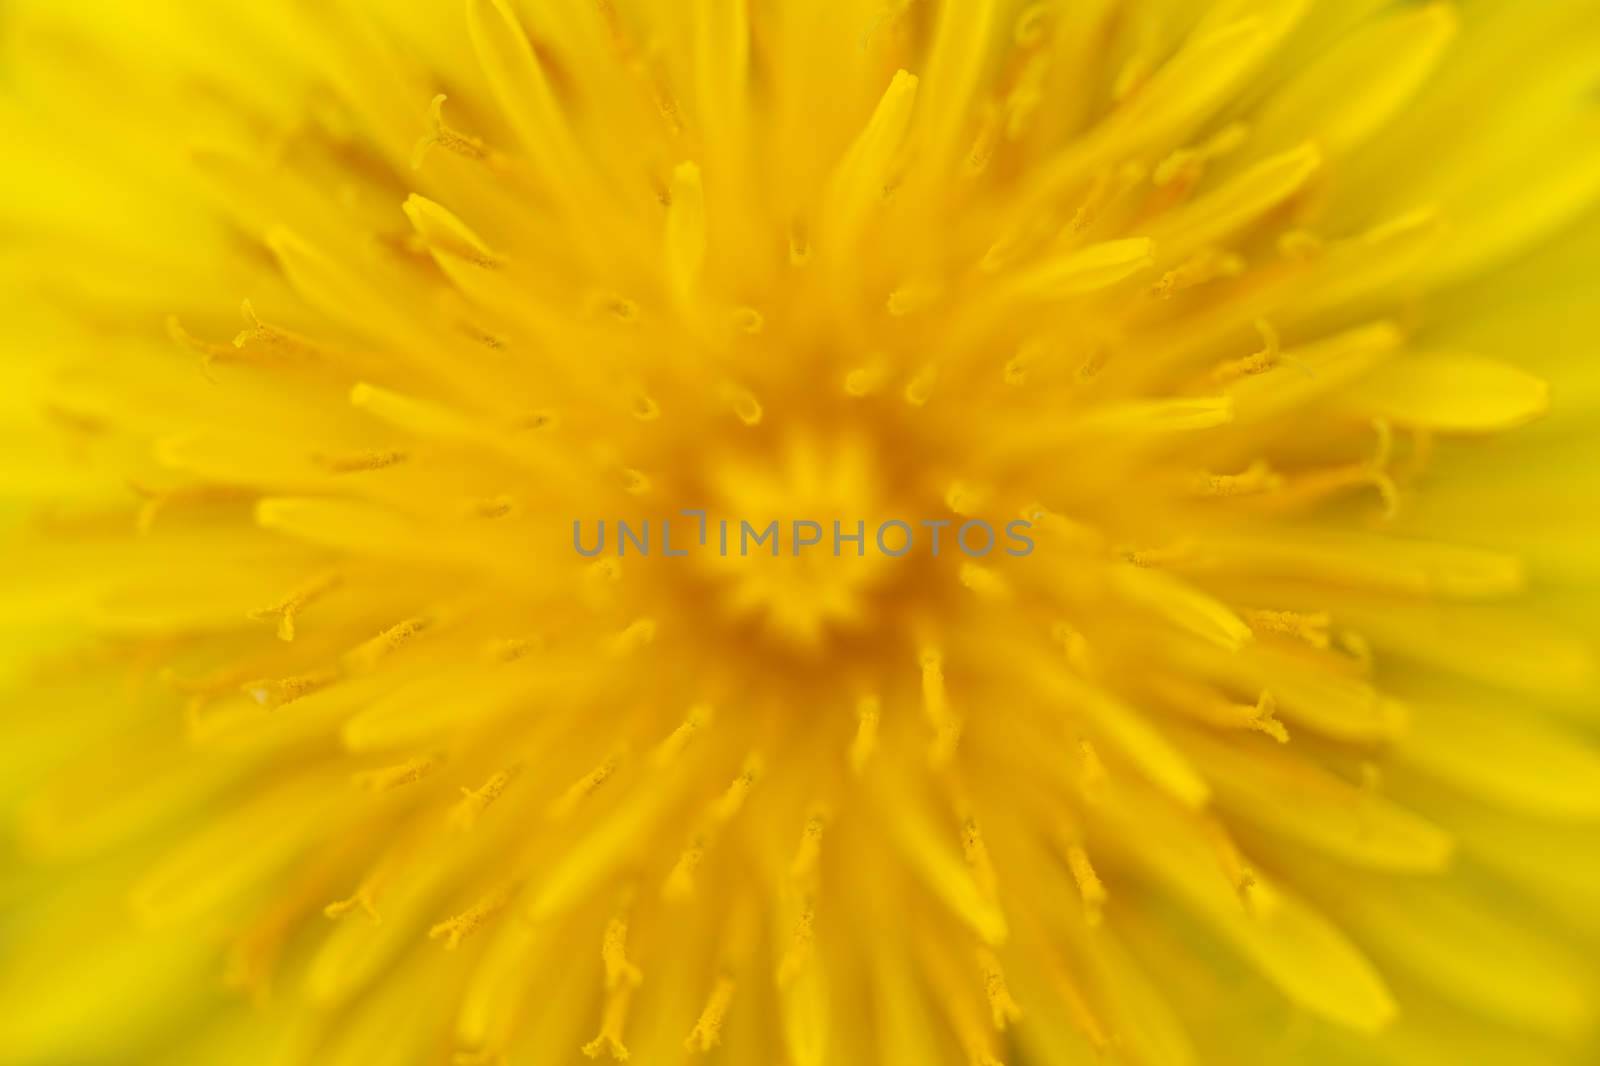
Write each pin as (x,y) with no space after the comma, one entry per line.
(327,325)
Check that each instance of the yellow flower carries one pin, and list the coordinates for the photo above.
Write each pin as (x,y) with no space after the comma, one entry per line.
(335,332)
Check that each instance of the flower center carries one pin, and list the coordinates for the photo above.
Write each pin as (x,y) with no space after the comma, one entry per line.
(805,535)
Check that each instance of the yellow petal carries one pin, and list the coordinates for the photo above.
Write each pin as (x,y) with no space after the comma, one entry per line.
(1293,945)
(520,85)
(1124,728)
(1314,370)
(1294,798)
(1450,393)
(1468,951)
(1238,203)
(1085,270)
(1351,91)
(1511,758)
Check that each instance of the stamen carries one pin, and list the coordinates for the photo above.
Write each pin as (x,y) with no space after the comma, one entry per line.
(1031,23)
(976,853)
(1020,365)
(1003,1009)
(584,787)
(1140,64)
(495,507)
(281,692)
(1221,712)
(209,353)
(748,320)
(286,609)
(1185,166)
(868,711)
(444,235)
(988,138)
(156,501)
(912,297)
(707,1032)
(743,403)
(1254,897)
(537,421)
(1091,772)
(686,231)
(666,105)
(443,136)
(964,499)
(206,688)
(628,55)
(278,341)
(388,778)
(1263,718)
(474,802)
(859,183)
(479,335)
(1001,253)
(1311,628)
(613,306)
(254,953)
(366,893)
(1090,886)
(799,243)
(612,1021)
(363,899)
(1203,266)
(804,863)
(1093,363)
(638,635)
(936,706)
(510,649)
(1094,201)
(1258,477)
(920,388)
(889,12)
(635,482)
(1315,486)
(358,462)
(733,799)
(866,380)
(1075,536)
(368,655)
(1358,648)
(984,581)
(1258,363)
(456,929)
(1075,645)
(614,954)
(680,882)
(802,944)
(671,748)
(645,408)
